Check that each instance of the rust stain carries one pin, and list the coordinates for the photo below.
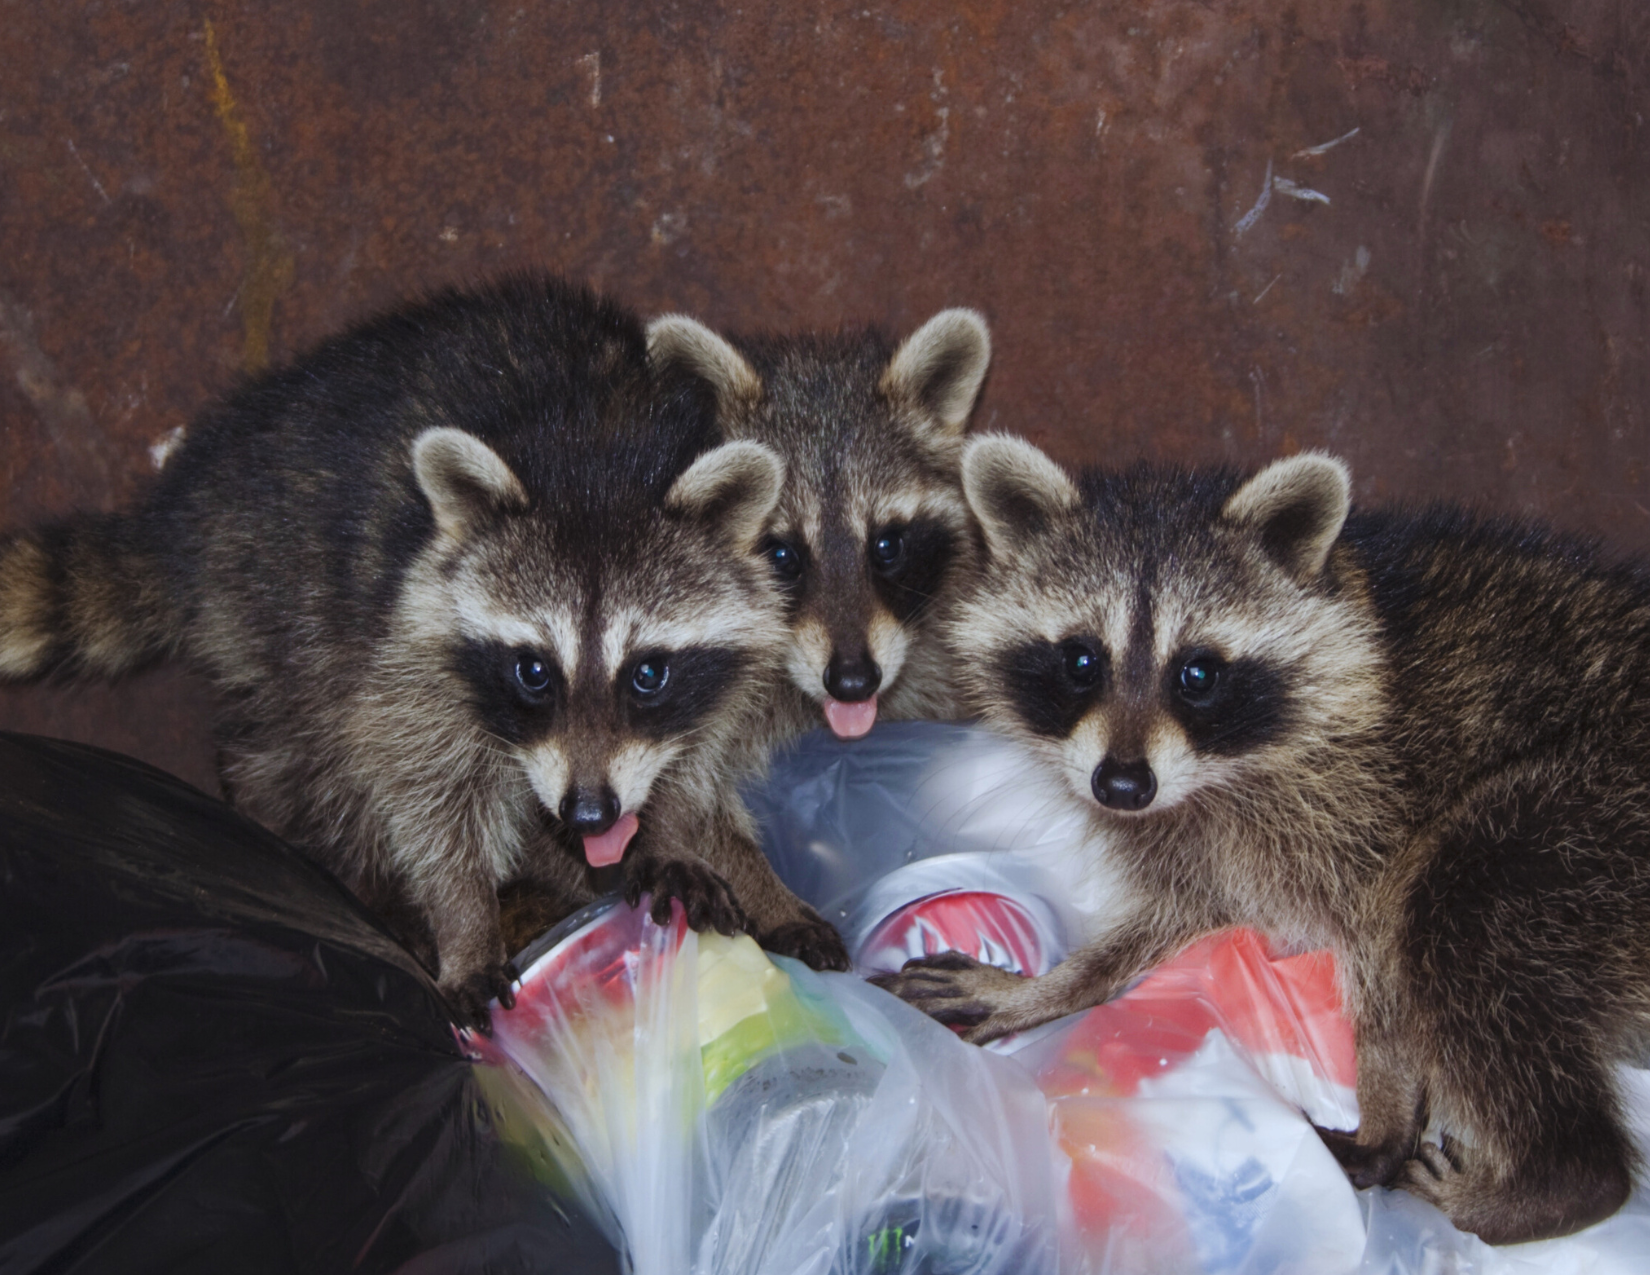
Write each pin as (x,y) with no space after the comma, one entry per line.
(1375,306)
(750,164)
(1556,231)
(269,266)
(1358,70)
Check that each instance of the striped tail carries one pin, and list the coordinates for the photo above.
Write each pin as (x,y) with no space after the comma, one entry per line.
(83,598)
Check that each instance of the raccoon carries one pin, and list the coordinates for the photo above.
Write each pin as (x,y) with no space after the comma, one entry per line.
(1421,739)
(872,532)
(482,597)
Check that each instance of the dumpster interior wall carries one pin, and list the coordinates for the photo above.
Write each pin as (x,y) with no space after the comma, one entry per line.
(1414,233)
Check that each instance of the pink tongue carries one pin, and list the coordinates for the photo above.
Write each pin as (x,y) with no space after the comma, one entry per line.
(850,721)
(608,848)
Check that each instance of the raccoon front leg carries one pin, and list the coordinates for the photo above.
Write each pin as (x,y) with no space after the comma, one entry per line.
(781,922)
(720,829)
(474,967)
(1392,1105)
(955,989)
(707,900)
(669,859)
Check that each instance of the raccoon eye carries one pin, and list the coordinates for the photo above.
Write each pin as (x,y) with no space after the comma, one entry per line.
(649,676)
(532,673)
(1198,678)
(786,560)
(1083,665)
(887,549)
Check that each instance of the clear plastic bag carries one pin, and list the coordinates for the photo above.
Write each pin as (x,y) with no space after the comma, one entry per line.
(1181,1111)
(744,1115)
(737,1114)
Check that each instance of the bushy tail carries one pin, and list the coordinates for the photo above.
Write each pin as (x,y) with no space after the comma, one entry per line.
(83,598)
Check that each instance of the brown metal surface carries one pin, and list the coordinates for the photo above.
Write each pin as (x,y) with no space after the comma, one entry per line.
(1453,296)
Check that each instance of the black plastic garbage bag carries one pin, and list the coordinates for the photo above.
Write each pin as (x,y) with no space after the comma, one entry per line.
(213,1059)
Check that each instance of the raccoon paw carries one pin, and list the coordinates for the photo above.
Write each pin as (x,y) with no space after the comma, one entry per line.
(706,898)
(812,940)
(955,989)
(1437,1175)
(1366,1166)
(470,996)
(1534,1201)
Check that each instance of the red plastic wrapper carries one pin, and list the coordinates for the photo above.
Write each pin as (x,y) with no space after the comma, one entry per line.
(1280,1015)
(998,929)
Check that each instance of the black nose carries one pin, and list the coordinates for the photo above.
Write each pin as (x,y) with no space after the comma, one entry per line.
(590,811)
(1124,785)
(852,680)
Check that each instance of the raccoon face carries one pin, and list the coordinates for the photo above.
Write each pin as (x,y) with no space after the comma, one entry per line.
(871,524)
(857,579)
(600,663)
(1161,637)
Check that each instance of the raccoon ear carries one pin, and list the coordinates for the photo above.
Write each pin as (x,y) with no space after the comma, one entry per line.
(733,488)
(1014,489)
(464,480)
(676,341)
(1297,507)
(940,367)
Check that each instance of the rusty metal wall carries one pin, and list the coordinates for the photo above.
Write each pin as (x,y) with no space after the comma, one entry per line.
(1413,231)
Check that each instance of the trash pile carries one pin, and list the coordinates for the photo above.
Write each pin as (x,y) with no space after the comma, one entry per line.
(719,1110)
(215,1059)
(762,1117)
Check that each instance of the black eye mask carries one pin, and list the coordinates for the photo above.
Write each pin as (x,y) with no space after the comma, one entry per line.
(908,563)
(670,693)
(1052,686)
(1226,708)
(517,692)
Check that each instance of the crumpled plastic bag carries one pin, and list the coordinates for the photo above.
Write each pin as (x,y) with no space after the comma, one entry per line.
(1180,1111)
(737,1114)
(1173,1124)
(213,1059)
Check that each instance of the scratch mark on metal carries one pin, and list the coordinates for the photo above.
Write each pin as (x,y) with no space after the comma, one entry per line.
(592,64)
(933,146)
(1254,214)
(90,176)
(161,450)
(1295,191)
(269,266)
(1321,147)
(1438,140)
(1266,289)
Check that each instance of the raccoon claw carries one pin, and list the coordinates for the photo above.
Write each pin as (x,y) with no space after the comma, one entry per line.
(1365,1166)
(955,989)
(1434,1174)
(813,941)
(706,898)
(471,997)
(1441,1160)
(952,960)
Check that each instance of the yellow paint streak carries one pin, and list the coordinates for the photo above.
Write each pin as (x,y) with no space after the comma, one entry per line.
(269,266)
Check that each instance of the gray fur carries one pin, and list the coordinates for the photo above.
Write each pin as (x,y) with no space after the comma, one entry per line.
(361,549)
(1421,740)
(871,434)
